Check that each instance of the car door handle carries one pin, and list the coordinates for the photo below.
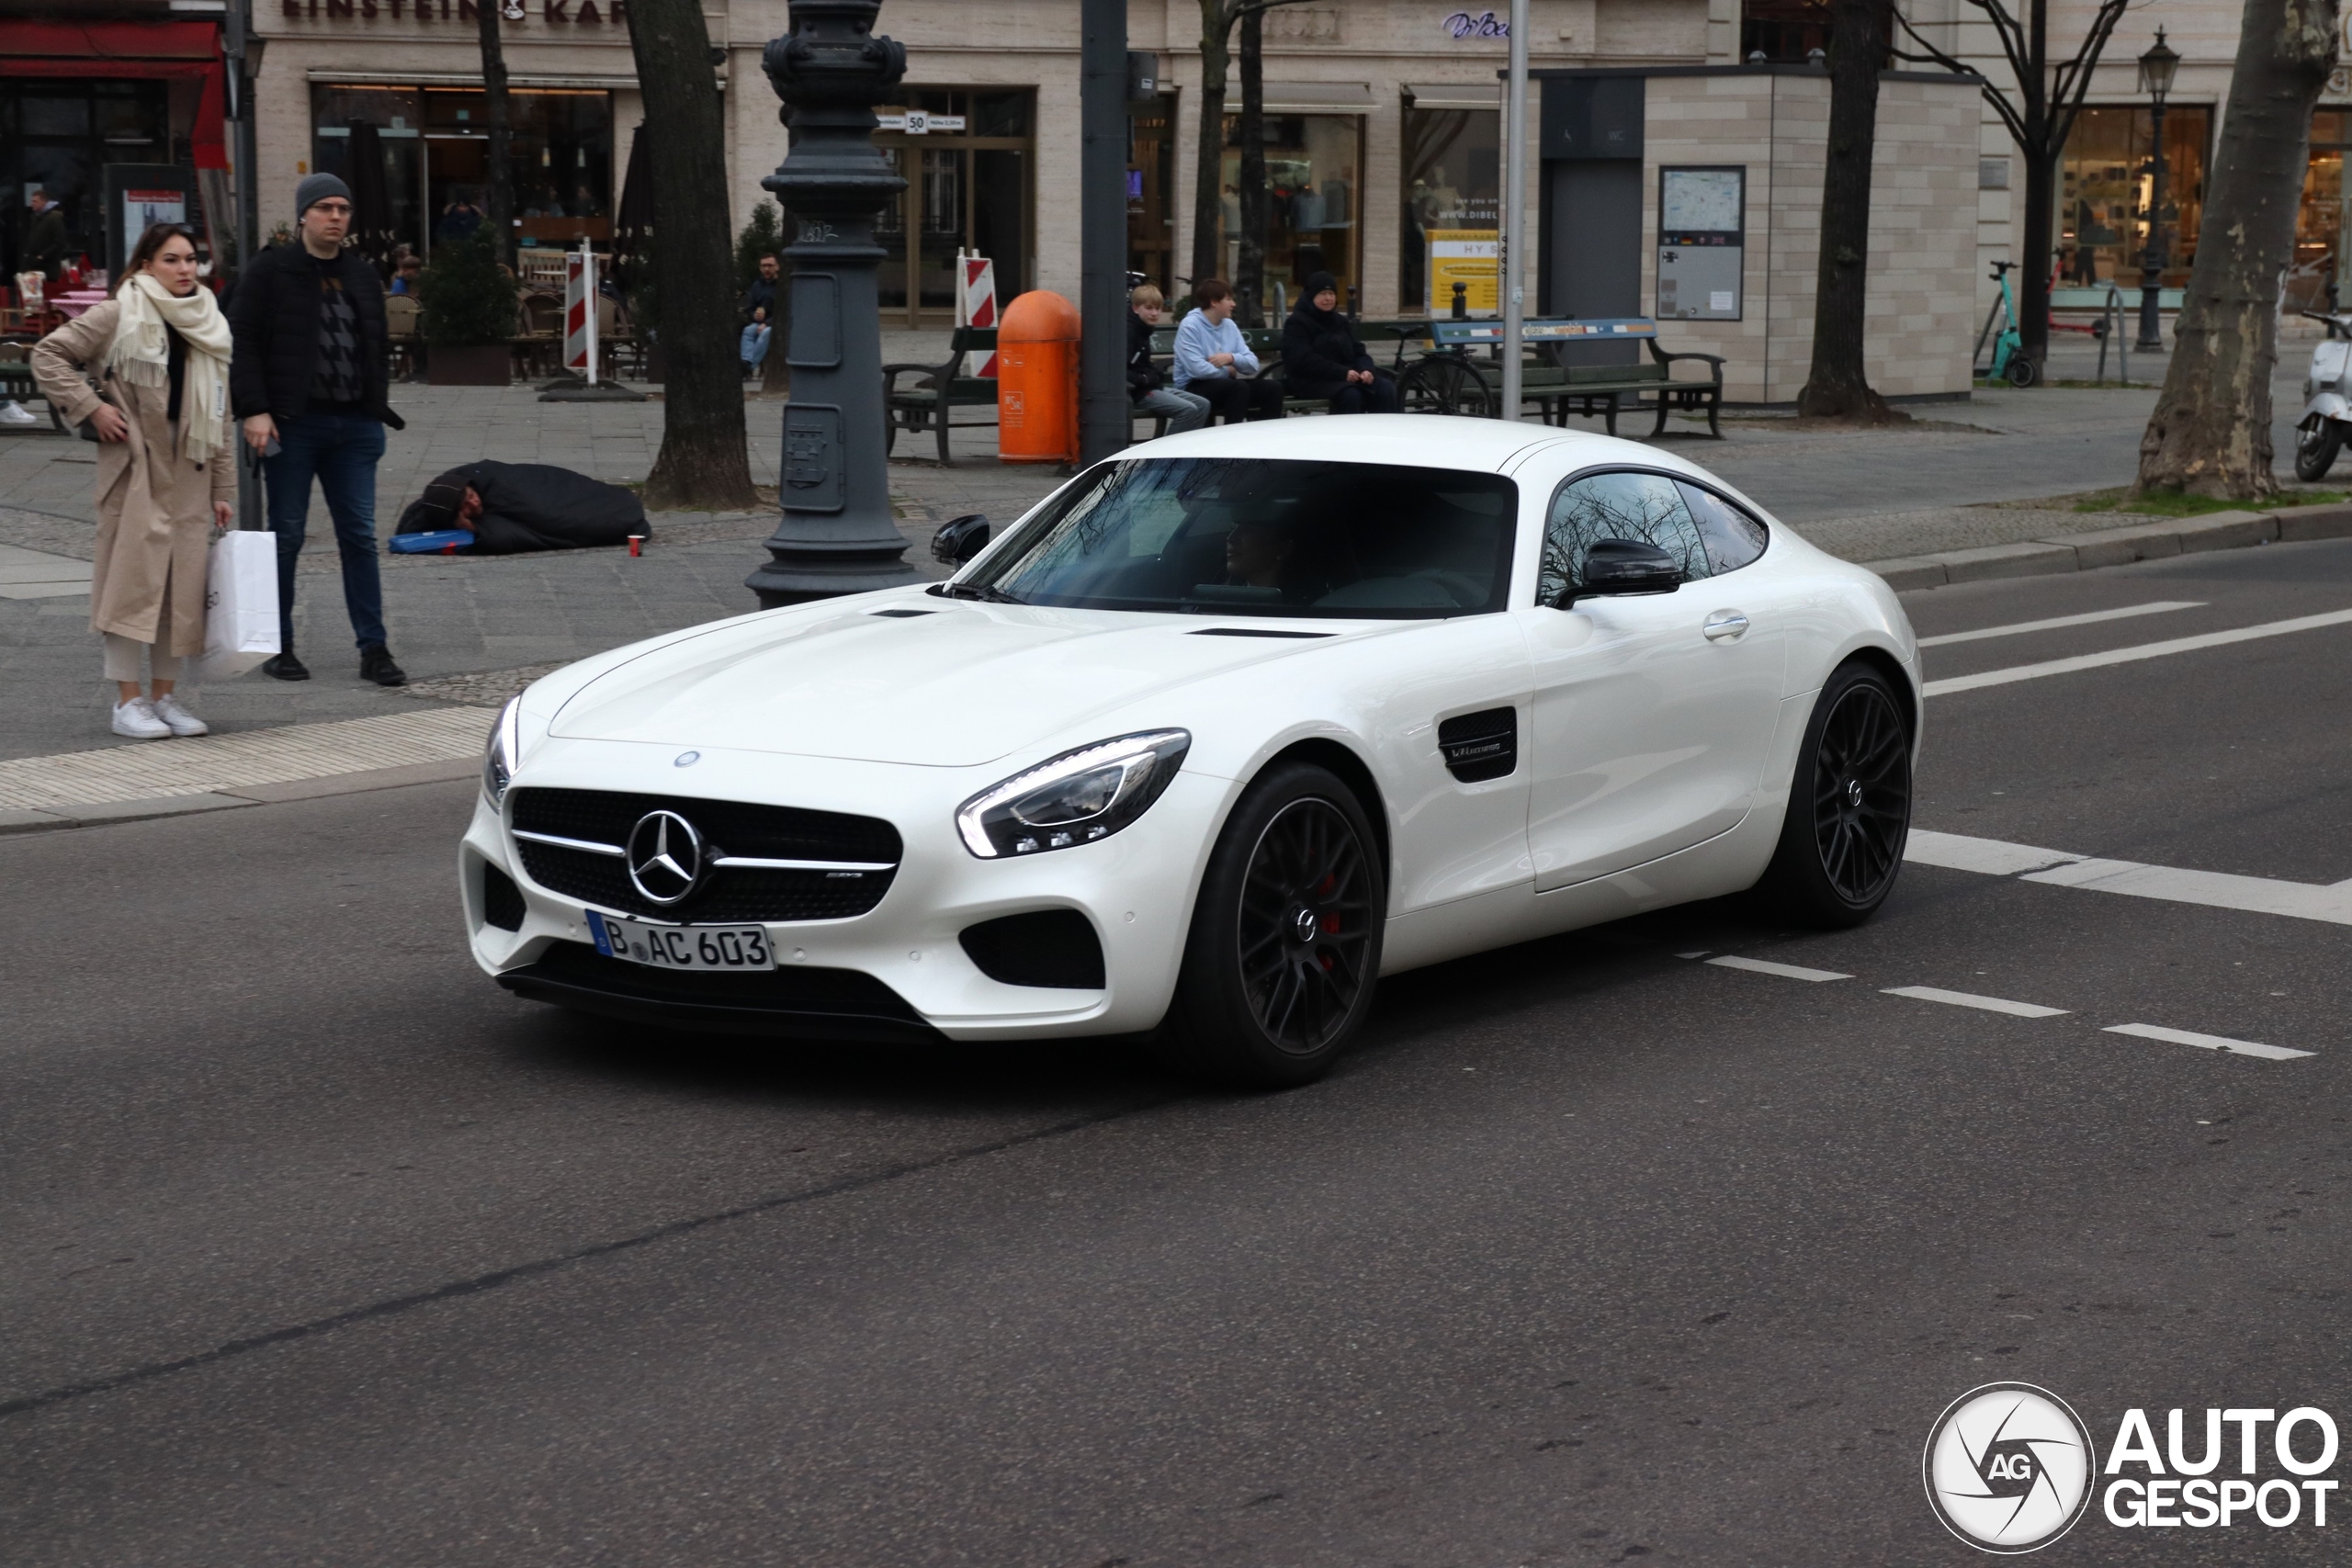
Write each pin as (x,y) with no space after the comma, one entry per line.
(1726,626)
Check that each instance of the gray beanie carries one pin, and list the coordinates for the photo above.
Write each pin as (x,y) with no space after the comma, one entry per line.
(316,188)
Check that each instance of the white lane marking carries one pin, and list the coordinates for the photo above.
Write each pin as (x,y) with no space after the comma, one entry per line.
(1969,999)
(2206,1041)
(1701,953)
(2128,655)
(2157,608)
(1991,856)
(1785,971)
(2060,868)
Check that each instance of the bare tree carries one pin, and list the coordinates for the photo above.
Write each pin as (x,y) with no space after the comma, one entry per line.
(1838,386)
(497,207)
(2210,432)
(1249,267)
(1218,20)
(2040,119)
(702,463)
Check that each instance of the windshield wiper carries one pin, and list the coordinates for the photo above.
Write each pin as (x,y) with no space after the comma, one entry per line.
(986,592)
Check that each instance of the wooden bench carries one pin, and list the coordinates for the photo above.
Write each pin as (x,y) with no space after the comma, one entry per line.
(943,387)
(1559,389)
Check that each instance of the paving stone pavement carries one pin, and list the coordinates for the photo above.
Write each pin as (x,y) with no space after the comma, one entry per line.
(1862,495)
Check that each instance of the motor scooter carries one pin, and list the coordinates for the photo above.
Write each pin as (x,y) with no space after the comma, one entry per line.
(2328,398)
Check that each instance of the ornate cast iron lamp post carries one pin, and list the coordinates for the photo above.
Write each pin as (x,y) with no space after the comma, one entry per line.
(837,536)
(2156,69)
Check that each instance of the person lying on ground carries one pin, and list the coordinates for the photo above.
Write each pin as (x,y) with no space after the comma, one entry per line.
(511,508)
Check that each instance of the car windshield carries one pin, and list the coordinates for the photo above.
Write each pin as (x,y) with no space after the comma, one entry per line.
(1251,535)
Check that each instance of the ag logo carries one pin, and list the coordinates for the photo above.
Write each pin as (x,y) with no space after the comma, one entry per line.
(2008,1468)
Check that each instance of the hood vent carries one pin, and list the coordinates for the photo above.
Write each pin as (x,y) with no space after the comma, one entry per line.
(1253,631)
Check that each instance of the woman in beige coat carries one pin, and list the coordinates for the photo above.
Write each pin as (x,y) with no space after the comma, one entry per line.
(167,474)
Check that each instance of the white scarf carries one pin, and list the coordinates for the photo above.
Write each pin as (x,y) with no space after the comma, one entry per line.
(141,355)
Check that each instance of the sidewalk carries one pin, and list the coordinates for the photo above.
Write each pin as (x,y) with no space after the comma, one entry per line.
(469,631)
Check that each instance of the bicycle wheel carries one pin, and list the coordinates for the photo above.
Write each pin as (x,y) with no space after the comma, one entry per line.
(1444,383)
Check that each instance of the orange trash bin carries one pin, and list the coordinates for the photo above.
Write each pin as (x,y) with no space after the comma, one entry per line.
(1036,380)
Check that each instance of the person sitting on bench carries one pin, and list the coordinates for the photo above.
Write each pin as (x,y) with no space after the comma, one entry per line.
(1321,358)
(1213,360)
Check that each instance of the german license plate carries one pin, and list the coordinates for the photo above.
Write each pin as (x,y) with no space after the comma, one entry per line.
(680,947)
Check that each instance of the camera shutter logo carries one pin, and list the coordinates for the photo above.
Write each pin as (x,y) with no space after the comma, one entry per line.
(2008,1468)
(665,857)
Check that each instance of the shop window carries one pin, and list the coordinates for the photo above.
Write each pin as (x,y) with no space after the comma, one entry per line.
(1453,183)
(1151,182)
(1313,200)
(58,136)
(2106,181)
(1783,31)
(2321,277)
(967,188)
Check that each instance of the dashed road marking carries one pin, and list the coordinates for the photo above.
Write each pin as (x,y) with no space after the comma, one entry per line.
(1969,999)
(2206,1041)
(2129,655)
(2055,621)
(1785,971)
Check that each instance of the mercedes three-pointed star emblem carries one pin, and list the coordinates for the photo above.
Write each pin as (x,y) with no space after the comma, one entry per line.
(665,857)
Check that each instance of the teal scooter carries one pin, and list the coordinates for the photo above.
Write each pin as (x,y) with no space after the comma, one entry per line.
(2009,362)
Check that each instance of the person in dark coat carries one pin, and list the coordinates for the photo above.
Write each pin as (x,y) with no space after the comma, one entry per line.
(510,508)
(45,240)
(1321,358)
(310,380)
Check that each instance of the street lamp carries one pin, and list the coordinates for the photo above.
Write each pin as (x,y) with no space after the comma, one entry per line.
(2156,69)
(837,535)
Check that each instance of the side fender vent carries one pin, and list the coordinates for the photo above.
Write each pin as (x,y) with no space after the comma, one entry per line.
(1480,746)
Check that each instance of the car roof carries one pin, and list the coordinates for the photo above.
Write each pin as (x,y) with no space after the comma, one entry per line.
(1488,445)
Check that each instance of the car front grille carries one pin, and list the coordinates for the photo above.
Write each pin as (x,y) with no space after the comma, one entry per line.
(846,887)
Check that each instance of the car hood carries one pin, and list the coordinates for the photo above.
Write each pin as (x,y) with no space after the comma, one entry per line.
(962,684)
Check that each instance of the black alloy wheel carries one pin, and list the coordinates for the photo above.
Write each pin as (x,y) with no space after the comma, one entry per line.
(2315,449)
(1285,942)
(1445,383)
(1849,804)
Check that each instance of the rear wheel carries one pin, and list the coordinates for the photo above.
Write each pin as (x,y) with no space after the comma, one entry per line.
(1849,804)
(2315,449)
(2023,372)
(1444,383)
(1285,939)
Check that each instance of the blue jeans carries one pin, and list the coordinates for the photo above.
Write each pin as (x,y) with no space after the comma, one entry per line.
(753,346)
(340,450)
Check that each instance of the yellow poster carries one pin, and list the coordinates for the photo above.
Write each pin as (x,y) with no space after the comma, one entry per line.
(1469,256)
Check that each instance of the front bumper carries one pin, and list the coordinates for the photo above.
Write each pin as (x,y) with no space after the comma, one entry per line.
(899,971)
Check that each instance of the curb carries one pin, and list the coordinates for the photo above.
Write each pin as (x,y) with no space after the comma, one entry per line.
(2116,547)
(49,816)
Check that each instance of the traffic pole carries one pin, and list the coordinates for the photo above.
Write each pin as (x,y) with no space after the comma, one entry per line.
(1105,414)
(1514,208)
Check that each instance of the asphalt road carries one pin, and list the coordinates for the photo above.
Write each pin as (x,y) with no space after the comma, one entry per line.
(317,1248)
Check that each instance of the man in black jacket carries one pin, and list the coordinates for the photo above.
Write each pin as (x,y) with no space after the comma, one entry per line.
(309,380)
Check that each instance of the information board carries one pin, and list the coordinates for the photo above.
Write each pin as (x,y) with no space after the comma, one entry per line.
(1702,241)
(1471,256)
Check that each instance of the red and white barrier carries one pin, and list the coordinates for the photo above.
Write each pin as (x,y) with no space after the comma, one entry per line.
(976,305)
(580,312)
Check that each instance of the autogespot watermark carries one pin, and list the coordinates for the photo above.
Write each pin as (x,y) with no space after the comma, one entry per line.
(2009,1467)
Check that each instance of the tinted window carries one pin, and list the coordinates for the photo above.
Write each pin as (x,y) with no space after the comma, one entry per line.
(1236,535)
(1647,508)
(1733,537)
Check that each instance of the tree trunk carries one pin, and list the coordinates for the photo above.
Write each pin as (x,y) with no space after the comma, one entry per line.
(2210,432)
(2037,255)
(1250,269)
(1217,26)
(1838,387)
(498,205)
(703,464)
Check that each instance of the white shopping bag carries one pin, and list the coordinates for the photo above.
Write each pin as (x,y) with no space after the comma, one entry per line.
(240,605)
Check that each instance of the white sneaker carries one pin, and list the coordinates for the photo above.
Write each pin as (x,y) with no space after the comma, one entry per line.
(137,719)
(15,412)
(182,722)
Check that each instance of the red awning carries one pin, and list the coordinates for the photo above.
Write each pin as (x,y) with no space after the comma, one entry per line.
(40,48)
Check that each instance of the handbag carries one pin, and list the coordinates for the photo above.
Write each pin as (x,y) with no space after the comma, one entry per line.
(240,604)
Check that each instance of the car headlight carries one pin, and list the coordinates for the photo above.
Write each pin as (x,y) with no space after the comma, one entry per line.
(1073,799)
(504,751)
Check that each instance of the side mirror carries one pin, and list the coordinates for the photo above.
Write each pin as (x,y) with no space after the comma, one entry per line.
(960,538)
(1622,566)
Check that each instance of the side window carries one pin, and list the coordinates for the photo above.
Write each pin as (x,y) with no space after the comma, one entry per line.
(1649,508)
(1733,537)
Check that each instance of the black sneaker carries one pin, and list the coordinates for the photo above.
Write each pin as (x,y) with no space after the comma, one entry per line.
(284,666)
(376,664)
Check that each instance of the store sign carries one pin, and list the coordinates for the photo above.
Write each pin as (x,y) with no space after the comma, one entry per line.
(1482,25)
(609,13)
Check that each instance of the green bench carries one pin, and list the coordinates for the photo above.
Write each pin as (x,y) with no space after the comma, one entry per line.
(942,388)
(1451,381)
(16,378)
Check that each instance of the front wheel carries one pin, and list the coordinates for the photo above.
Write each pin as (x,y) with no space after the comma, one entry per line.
(1285,939)
(1849,804)
(2315,449)
(2023,372)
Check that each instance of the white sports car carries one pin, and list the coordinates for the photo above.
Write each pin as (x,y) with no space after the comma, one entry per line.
(1218,734)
